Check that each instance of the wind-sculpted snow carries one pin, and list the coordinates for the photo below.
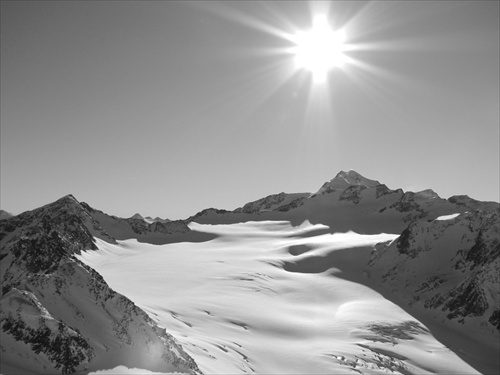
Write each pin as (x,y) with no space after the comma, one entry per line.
(236,306)
(356,278)
(58,315)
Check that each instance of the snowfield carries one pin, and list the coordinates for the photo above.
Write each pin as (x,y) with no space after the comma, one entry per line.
(262,297)
(447,217)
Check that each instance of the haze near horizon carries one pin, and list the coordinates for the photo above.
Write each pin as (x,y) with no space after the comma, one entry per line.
(167,108)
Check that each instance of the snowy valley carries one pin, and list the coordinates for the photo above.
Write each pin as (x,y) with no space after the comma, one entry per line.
(354,278)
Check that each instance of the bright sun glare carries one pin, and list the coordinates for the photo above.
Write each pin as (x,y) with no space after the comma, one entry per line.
(319,49)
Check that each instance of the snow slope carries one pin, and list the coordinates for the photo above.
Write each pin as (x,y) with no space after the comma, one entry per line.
(447,271)
(355,278)
(236,308)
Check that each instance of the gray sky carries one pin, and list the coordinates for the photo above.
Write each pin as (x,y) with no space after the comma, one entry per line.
(166,108)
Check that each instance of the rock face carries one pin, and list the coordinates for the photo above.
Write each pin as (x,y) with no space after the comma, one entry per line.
(449,267)
(5,215)
(57,314)
(345,180)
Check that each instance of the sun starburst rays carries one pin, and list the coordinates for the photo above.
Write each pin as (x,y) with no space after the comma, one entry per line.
(314,62)
(319,49)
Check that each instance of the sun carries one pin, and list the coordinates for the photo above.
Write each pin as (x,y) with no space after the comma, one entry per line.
(319,49)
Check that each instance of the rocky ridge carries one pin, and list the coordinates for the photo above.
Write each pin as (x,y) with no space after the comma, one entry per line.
(349,193)
(450,267)
(59,312)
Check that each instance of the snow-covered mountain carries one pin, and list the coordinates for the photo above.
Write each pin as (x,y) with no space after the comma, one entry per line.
(463,249)
(459,254)
(444,267)
(208,292)
(448,269)
(344,180)
(347,202)
(59,315)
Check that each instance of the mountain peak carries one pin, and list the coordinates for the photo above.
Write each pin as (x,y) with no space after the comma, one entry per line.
(428,193)
(137,216)
(345,179)
(345,174)
(354,178)
(68,198)
(5,215)
(66,202)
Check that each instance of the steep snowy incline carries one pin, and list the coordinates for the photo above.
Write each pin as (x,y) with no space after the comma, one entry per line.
(447,272)
(237,305)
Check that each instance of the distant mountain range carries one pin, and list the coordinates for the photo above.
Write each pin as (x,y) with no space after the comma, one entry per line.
(58,315)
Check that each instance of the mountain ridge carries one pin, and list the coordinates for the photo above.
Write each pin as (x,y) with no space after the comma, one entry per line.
(346,189)
(51,301)
(349,202)
(40,272)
